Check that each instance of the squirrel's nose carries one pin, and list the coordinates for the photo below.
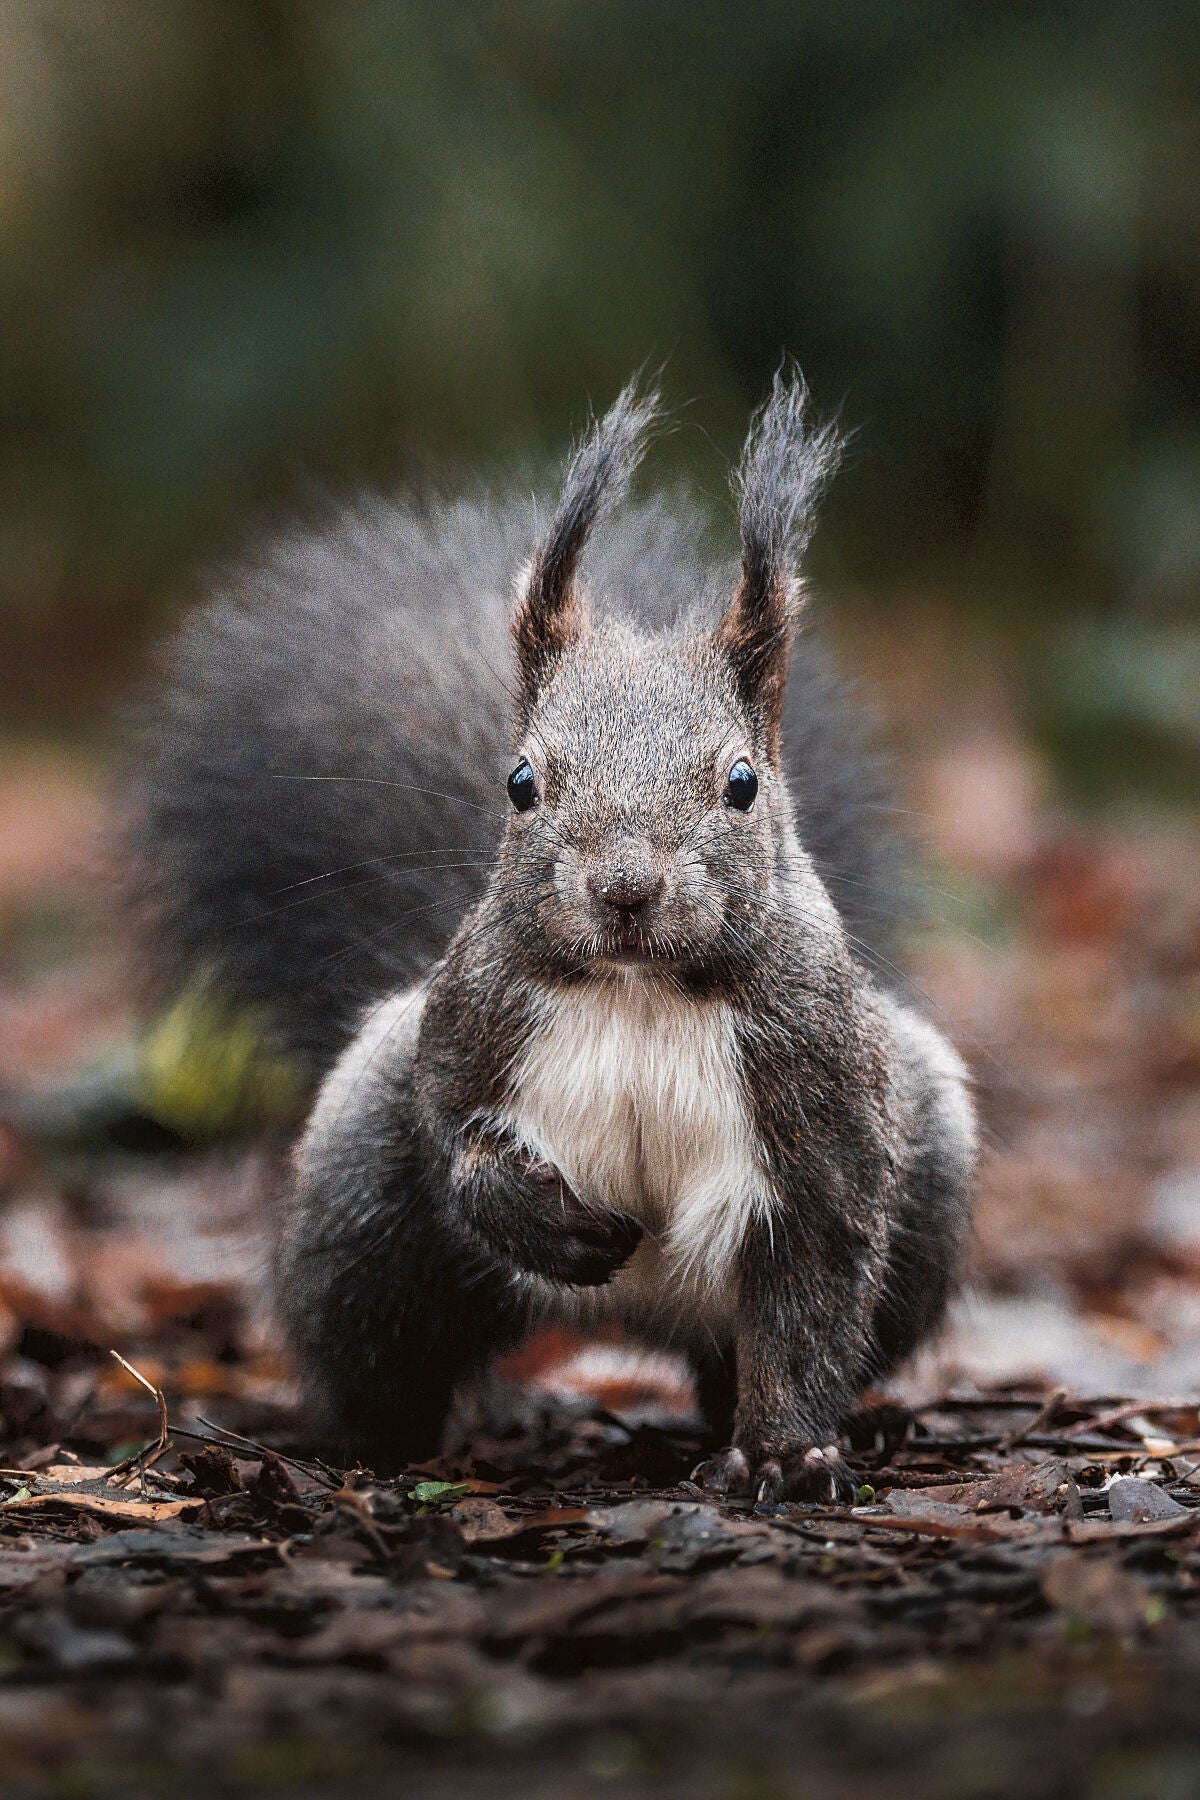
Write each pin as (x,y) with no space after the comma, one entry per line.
(626,891)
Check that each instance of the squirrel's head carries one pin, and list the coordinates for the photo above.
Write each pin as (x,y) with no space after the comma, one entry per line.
(649,814)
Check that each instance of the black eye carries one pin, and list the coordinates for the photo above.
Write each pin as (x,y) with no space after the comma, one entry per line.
(742,786)
(522,788)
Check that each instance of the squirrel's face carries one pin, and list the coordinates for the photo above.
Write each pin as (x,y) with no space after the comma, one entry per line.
(649,819)
(647,813)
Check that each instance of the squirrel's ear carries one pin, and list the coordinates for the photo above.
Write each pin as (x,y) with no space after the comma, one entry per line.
(784,468)
(551,613)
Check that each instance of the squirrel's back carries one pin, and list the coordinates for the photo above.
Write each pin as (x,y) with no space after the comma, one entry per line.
(317,780)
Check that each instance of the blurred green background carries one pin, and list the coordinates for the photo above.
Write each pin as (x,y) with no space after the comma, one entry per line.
(249,247)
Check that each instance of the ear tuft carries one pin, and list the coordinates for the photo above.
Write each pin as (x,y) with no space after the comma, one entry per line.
(550,613)
(784,470)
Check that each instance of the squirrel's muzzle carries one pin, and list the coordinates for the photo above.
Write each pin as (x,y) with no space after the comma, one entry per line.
(627,886)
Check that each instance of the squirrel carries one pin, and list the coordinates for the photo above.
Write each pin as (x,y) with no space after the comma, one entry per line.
(574,908)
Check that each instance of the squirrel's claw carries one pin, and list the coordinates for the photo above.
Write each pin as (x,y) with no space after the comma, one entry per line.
(727,1473)
(818,1473)
(771,1485)
(822,1474)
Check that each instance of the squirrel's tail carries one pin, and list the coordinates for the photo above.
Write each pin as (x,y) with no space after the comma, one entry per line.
(316,785)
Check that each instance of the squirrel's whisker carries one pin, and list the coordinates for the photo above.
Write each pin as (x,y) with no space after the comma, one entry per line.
(406,787)
(396,856)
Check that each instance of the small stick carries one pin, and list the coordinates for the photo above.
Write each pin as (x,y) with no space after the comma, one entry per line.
(129,1463)
(223,1433)
(979,1403)
(1047,1414)
(1116,1415)
(1097,1447)
(918,1446)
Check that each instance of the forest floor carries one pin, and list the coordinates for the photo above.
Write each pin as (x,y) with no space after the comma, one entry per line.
(190,1604)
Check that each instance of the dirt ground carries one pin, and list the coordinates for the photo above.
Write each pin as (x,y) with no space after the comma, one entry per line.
(191,1604)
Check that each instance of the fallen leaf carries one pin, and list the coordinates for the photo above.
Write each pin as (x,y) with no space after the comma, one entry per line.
(1045,1487)
(174,1541)
(480,1518)
(114,1506)
(439,1493)
(70,1474)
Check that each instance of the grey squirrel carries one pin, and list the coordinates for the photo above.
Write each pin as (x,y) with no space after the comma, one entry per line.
(637,1063)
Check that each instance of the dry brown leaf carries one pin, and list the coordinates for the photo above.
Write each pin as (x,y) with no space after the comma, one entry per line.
(70,1474)
(60,1486)
(115,1505)
(1045,1487)
(480,1518)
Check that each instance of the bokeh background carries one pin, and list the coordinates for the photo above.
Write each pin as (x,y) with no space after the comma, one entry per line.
(248,246)
(254,248)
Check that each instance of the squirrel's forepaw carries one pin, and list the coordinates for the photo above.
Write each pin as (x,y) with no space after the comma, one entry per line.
(818,1472)
(574,1243)
(598,1247)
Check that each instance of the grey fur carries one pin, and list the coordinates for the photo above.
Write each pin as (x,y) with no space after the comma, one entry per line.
(784,471)
(421,1234)
(598,474)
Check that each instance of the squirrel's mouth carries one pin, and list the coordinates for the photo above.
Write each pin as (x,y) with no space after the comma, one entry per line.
(633,944)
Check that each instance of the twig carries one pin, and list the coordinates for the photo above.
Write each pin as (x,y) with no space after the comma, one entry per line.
(1115,1415)
(1045,1416)
(892,1477)
(1016,1402)
(918,1445)
(980,1403)
(230,1440)
(138,1459)
(1066,1446)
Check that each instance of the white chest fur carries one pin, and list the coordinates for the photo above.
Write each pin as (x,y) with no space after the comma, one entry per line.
(636,1093)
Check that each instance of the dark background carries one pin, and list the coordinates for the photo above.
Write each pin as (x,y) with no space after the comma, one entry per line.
(251,248)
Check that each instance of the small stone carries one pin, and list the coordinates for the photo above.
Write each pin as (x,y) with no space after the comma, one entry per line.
(1136,1500)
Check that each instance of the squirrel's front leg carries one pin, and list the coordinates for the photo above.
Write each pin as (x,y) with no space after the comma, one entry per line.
(527,1214)
(805,1306)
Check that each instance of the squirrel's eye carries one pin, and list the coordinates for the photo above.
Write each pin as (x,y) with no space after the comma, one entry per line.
(741,786)
(522,788)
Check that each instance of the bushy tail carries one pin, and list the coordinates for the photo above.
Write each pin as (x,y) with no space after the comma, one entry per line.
(316,784)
